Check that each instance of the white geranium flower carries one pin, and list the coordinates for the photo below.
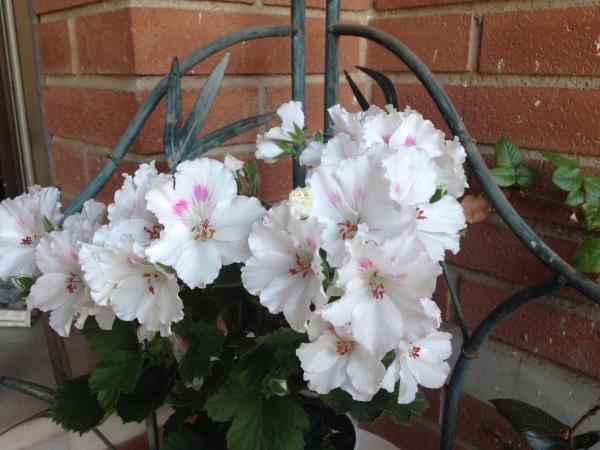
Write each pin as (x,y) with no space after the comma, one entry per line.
(233,164)
(335,360)
(450,168)
(412,176)
(439,225)
(292,119)
(422,362)
(354,201)
(129,214)
(419,133)
(61,288)
(21,228)
(311,155)
(380,127)
(349,123)
(301,202)
(134,288)
(382,288)
(285,267)
(206,223)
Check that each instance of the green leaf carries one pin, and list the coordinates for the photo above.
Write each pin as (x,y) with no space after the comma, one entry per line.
(527,176)
(207,341)
(48,226)
(171,136)
(591,183)
(149,393)
(383,403)
(508,154)
(439,193)
(252,178)
(575,197)
(185,439)
(587,256)
(504,176)
(318,136)
(75,408)
(121,362)
(567,179)
(560,160)
(540,429)
(258,423)
(592,218)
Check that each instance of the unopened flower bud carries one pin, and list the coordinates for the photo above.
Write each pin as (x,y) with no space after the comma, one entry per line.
(143,334)
(301,202)
(232,163)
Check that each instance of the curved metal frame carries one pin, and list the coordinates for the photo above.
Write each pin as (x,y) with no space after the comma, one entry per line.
(565,275)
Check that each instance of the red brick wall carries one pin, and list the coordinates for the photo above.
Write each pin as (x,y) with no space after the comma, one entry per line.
(529,70)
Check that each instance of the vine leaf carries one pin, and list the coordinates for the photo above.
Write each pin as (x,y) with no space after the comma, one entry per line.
(568,179)
(587,257)
(527,177)
(541,430)
(508,154)
(561,161)
(386,85)
(504,176)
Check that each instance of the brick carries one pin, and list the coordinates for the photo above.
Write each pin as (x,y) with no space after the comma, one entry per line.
(347,5)
(565,120)
(68,165)
(314,102)
(494,250)
(479,424)
(444,47)
(415,96)
(44,6)
(104,42)
(544,42)
(554,333)
(54,47)
(399,4)
(230,106)
(95,163)
(96,116)
(144,40)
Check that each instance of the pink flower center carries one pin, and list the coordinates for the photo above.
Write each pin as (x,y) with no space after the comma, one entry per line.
(71,283)
(204,231)
(310,244)
(360,195)
(27,241)
(413,351)
(344,347)
(201,193)
(302,267)
(347,229)
(151,280)
(410,140)
(153,233)
(335,198)
(386,138)
(377,287)
(421,214)
(180,207)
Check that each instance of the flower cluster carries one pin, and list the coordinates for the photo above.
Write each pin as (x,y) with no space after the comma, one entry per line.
(351,260)
(377,217)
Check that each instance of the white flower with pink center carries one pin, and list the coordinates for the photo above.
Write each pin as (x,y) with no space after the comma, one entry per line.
(421,362)
(129,214)
(206,223)
(382,286)
(419,133)
(439,225)
(61,288)
(353,201)
(338,148)
(134,288)
(450,168)
(412,176)
(379,128)
(337,360)
(292,122)
(21,228)
(285,267)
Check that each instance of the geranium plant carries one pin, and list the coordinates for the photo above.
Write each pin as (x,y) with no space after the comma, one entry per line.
(258,324)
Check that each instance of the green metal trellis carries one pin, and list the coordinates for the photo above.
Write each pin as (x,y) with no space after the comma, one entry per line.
(564,274)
